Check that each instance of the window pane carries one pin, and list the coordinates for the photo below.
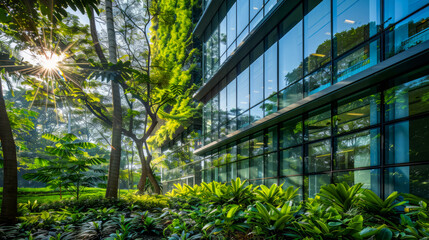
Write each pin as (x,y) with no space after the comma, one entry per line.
(317,33)
(407,99)
(408,33)
(222,107)
(257,167)
(291,133)
(270,105)
(357,61)
(270,181)
(243,169)
(412,179)
(407,141)
(257,75)
(256,20)
(231,99)
(257,144)
(358,150)
(232,24)
(313,183)
(291,94)
(222,29)
(243,14)
(354,22)
(395,10)
(222,173)
(319,156)
(243,90)
(243,148)
(369,178)
(257,112)
(231,153)
(231,173)
(269,5)
(215,113)
(255,7)
(317,81)
(243,120)
(271,139)
(318,125)
(290,54)
(271,165)
(291,161)
(295,182)
(270,65)
(232,125)
(357,112)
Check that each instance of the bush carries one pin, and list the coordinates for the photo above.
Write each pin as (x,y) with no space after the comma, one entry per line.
(240,211)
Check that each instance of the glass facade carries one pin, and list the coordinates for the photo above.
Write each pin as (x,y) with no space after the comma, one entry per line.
(318,44)
(232,23)
(376,136)
(341,142)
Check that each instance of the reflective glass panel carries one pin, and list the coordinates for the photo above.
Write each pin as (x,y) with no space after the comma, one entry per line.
(357,111)
(243,169)
(395,10)
(408,33)
(291,161)
(319,156)
(411,179)
(407,141)
(355,21)
(242,14)
(407,99)
(231,99)
(317,34)
(243,120)
(369,178)
(270,105)
(243,148)
(313,183)
(257,144)
(271,139)
(270,65)
(291,94)
(232,23)
(257,167)
(358,150)
(222,107)
(243,89)
(257,75)
(271,165)
(290,53)
(317,81)
(357,61)
(291,132)
(257,112)
(318,125)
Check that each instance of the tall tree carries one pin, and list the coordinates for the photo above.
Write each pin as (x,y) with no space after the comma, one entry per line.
(19,19)
(115,154)
(10,164)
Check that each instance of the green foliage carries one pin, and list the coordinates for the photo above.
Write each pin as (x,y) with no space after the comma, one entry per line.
(341,196)
(70,165)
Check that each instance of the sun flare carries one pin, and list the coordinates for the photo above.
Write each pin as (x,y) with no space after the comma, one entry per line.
(50,61)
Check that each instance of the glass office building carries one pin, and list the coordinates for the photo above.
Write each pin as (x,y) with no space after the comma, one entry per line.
(312,92)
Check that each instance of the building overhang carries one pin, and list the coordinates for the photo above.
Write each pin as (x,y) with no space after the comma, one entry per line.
(206,17)
(412,62)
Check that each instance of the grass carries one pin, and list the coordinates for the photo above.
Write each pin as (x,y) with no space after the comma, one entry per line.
(43,195)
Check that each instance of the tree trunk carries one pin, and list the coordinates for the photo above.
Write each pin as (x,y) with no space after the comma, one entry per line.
(146,171)
(115,153)
(142,182)
(10,173)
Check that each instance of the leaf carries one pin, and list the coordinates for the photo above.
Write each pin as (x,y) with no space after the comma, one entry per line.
(384,234)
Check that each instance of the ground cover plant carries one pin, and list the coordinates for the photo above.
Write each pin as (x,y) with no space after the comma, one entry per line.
(236,210)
